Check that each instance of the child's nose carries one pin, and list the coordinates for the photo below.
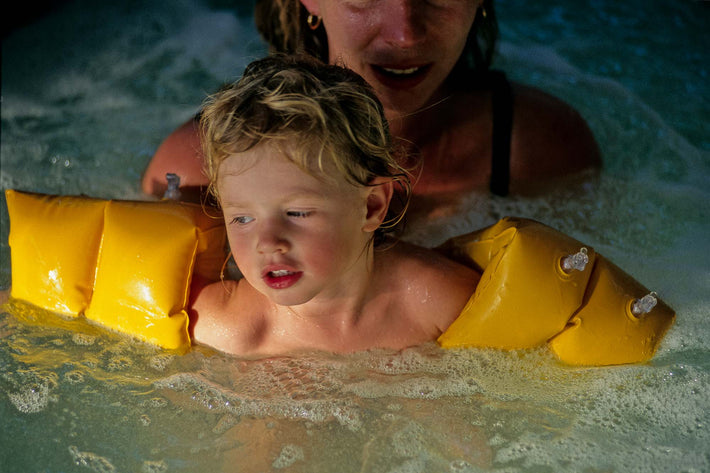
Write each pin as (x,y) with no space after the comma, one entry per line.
(272,238)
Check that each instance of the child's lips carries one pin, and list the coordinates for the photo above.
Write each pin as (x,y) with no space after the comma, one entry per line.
(281,278)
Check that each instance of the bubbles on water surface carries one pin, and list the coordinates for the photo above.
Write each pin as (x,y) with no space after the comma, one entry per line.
(160,362)
(93,462)
(155,402)
(29,391)
(31,399)
(119,363)
(460,466)
(83,339)
(289,455)
(154,467)
(74,377)
(401,411)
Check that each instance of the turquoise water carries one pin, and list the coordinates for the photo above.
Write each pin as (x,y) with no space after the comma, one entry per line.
(88,93)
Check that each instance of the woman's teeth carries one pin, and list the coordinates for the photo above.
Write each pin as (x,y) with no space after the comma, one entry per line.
(402,72)
(280,273)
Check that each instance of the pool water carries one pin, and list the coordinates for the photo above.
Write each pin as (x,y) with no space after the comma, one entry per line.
(90,90)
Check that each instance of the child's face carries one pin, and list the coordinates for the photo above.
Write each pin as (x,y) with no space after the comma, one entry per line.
(295,238)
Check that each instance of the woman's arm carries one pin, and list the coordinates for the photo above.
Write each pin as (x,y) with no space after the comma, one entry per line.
(180,153)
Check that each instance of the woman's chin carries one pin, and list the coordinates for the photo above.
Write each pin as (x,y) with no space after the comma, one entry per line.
(401,104)
(402,108)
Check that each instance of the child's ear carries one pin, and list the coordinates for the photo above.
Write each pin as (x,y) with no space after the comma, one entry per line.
(379,195)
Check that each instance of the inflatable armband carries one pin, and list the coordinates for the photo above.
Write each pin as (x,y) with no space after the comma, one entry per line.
(539,285)
(126,265)
(605,330)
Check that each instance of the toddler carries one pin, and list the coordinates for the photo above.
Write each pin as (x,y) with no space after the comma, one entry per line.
(302,165)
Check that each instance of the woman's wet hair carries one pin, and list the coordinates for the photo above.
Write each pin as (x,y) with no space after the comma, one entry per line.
(322,117)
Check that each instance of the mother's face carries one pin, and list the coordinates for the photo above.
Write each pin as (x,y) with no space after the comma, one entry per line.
(405,49)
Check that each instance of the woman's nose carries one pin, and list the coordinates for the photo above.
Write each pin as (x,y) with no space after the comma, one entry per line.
(402,23)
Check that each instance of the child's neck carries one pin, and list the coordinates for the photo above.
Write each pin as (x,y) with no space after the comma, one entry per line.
(328,323)
(332,312)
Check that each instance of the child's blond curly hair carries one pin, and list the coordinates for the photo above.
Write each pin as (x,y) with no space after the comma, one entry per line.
(320,116)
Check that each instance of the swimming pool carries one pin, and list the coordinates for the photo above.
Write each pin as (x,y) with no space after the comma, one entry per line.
(89,91)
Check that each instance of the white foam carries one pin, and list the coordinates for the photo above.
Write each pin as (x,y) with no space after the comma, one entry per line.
(30,399)
(158,466)
(92,461)
(289,455)
(29,391)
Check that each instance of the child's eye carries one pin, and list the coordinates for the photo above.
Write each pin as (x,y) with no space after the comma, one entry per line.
(242,220)
(298,213)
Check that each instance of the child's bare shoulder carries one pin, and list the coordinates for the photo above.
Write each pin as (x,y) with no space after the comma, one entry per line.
(225,316)
(432,285)
(427,266)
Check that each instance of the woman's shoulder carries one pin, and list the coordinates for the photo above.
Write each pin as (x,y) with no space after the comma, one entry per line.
(549,137)
(541,137)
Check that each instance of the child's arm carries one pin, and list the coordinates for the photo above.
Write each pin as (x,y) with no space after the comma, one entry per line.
(219,318)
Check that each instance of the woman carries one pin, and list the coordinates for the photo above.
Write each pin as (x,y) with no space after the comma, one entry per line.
(428,62)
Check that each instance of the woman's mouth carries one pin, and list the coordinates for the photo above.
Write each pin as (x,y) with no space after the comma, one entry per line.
(400,77)
(281,278)
(401,72)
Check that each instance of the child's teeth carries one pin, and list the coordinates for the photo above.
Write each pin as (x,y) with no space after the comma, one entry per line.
(411,70)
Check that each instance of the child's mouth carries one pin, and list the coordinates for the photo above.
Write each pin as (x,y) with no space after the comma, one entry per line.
(282,278)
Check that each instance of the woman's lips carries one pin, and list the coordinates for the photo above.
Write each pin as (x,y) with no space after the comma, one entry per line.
(400,77)
(281,278)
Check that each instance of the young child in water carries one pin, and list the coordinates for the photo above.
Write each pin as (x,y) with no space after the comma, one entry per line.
(301,162)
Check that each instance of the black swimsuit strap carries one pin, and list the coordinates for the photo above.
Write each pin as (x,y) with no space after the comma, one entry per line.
(502,104)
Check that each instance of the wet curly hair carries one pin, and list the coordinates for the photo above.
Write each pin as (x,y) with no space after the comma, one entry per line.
(320,116)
